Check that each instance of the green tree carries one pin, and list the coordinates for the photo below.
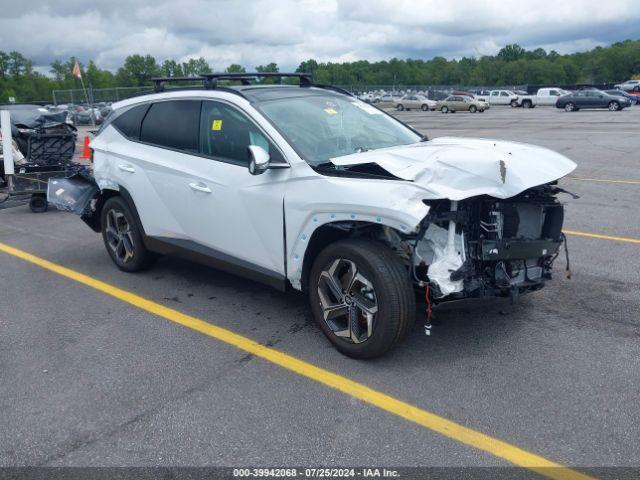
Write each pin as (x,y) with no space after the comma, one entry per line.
(511,52)
(195,66)
(171,68)
(235,68)
(137,70)
(4,64)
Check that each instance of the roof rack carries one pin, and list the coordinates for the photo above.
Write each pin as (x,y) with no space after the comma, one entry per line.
(210,80)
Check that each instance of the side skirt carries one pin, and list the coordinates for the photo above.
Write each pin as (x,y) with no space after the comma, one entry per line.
(212,258)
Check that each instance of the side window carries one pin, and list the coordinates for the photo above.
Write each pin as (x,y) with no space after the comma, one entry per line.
(172,124)
(504,94)
(495,93)
(226,133)
(554,93)
(129,122)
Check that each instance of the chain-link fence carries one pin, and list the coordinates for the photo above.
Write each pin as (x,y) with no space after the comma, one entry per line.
(95,95)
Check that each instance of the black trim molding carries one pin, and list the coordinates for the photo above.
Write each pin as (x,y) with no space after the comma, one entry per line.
(198,253)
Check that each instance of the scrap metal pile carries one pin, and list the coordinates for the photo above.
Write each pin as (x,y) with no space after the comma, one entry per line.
(43,144)
(41,137)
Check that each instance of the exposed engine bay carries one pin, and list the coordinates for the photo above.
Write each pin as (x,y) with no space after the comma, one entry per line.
(485,246)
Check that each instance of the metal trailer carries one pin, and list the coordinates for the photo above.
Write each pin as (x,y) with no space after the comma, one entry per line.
(32,180)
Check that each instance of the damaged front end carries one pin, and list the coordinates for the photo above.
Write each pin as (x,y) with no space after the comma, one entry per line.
(484,246)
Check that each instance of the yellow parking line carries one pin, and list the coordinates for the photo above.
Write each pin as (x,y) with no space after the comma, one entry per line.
(426,419)
(602,237)
(604,180)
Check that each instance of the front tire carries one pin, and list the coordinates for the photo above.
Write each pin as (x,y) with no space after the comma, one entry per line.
(361,297)
(514,104)
(444,109)
(570,107)
(400,107)
(614,106)
(425,108)
(122,237)
(473,109)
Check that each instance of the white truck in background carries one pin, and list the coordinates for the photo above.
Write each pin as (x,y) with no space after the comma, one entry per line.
(499,97)
(544,96)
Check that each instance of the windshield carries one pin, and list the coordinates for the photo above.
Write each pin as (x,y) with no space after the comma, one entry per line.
(321,127)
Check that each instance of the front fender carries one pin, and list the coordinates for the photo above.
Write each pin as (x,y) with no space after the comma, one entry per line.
(316,201)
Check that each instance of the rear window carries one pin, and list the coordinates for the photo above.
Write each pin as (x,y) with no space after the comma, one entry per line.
(129,122)
(173,124)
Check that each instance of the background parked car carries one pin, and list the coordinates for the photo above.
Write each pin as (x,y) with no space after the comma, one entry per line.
(592,99)
(544,96)
(461,103)
(387,100)
(628,85)
(416,101)
(499,97)
(84,117)
(463,93)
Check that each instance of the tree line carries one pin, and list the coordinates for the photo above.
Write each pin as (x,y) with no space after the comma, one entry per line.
(513,65)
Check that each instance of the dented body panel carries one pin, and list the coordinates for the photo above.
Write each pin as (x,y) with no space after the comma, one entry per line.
(459,168)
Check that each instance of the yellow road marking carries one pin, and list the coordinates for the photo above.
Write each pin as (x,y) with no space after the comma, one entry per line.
(604,180)
(426,419)
(602,237)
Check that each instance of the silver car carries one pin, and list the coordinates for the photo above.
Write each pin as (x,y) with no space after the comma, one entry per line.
(409,102)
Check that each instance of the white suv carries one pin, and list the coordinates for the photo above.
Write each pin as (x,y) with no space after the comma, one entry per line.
(307,187)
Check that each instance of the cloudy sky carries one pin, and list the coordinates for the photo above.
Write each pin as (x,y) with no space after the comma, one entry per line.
(287,31)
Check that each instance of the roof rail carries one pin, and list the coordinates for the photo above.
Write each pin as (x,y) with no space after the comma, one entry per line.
(210,80)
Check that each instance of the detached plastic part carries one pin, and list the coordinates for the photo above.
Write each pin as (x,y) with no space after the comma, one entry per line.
(447,253)
(72,194)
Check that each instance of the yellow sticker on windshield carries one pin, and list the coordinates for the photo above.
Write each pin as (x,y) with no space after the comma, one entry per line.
(330,111)
(216,125)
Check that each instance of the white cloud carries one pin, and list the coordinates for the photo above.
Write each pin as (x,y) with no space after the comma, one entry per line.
(289,31)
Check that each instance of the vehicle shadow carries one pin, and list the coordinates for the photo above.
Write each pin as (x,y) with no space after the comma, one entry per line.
(460,329)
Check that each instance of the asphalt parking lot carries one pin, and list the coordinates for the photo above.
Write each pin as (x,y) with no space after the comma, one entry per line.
(88,379)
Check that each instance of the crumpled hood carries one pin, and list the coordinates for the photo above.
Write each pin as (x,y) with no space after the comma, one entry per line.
(459,168)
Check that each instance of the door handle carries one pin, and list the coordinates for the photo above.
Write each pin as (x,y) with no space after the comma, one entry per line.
(200,187)
(126,168)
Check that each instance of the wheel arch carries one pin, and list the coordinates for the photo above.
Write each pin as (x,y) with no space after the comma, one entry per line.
(94,220)
(330,232)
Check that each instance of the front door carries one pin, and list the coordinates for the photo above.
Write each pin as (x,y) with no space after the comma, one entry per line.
(228,212)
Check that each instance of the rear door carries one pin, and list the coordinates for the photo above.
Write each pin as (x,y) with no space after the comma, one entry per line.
(134,166)
(580,99)
(168,140)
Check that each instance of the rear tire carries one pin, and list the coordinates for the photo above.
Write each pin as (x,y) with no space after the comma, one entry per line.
(570,107)
(514,103)
(444,109)
(400,107)
(122,237)
(361,297)
(527,104)
(425,108)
